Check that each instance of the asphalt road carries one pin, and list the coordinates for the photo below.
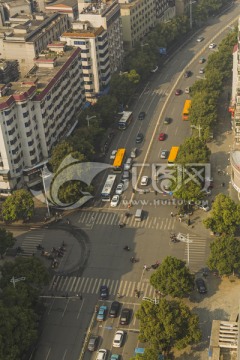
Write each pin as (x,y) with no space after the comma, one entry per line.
(67,318)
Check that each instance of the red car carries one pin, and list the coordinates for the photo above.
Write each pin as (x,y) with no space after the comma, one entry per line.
(161,137)
(178,92)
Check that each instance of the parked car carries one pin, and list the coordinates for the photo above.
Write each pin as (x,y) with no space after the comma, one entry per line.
(144,180)
(114,309)
(115,357)
(167,120)
(115,200)
(201,71)
(200,39)
(178,92)
(187,74)
(141,115)
(164,154)
(212,46)
(119,189)
(113,154)
(161,136)
(118,339)
(125,316)
(204,207)
(93,342)
(104,292)
(102,354)
(139,138)
(202,60)
(187,90)
(102,313)
(201,286)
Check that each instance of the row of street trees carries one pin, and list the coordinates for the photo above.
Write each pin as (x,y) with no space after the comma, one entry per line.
(166,324)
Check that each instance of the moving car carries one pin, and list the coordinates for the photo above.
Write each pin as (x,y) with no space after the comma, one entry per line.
(119,189)
(202,60)
(139,138)
(93,342)
(114,309)
(104,293)
(178,92)
(212,46)
(114,201)
(128,164)
(201,286)
(141,115)
(187,74)
(201,71)
(167,120)
(134,153)
(161,137)
(144,180)
(164,154)
(102,354)
(200,39)
(113,154)
(118,339)
(102,313)
(125,316)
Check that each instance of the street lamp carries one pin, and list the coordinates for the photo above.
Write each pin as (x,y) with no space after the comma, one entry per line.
(88,118)
(46,175)
(181,237)
(199,128)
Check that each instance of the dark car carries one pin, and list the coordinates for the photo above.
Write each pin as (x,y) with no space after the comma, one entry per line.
(187,74)
(104,292)
(201,286)
(114,309)
(141,115)
(139,138)
(167,120)
(178,92)
(125,316)
(93,342)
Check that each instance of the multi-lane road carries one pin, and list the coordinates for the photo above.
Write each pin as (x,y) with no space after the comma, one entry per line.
(68,318)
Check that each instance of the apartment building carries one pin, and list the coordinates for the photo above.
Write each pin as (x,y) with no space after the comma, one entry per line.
(94,54)
(107,15)
(68,7)
(140,16)
(36,113)
(234,109)
(12,7)
(27,35)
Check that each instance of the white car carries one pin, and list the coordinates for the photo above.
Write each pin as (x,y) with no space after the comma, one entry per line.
(187,90)
(212,46)
(114,201)
(144,180)
(164,154)
(101,354)
(201,71)
(118,338)
(204,207)
(128,164)
(200,39)
(113,154)
(119,189)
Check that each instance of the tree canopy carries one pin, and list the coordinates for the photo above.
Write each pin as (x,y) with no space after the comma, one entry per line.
(167,325)
(18,206)
(192,151)
(225,216)
(225,255)
(6,240)
(173,278)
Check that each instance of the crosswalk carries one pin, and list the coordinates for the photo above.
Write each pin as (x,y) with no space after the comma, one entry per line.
(112,218)
(30,242)
(74,285)
(196,252)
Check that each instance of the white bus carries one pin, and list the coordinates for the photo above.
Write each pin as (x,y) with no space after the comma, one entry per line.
(125,120)
(108,188)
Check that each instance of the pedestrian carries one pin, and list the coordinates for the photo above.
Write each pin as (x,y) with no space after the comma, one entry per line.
(180,219)
(223,184)
(145,267)
(171,214)
(188,222)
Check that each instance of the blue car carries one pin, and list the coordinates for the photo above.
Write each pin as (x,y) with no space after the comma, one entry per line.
(115,357)
(104,293)
(102,313)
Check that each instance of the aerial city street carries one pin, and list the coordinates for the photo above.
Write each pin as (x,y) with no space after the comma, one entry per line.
(102,254)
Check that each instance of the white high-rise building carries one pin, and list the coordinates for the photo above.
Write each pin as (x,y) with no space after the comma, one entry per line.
(36,113)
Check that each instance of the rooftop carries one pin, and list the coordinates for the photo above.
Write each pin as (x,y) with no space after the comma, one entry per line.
(97,7)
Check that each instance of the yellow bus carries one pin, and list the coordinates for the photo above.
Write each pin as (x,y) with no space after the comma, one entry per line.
(119,159)
(173,155)
(186,109)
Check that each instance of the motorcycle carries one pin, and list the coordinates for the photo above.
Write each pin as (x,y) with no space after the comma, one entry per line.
(134,260)
(39,247)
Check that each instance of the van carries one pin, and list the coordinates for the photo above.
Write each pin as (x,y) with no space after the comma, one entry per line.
(138,215)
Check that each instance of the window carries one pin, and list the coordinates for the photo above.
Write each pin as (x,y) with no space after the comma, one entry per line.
(7,112)
(79,42)
(24,105)
(9,122)
(25,114)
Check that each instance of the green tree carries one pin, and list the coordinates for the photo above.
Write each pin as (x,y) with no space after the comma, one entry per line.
(150,353)
(122,88)
(225,255)
(167,325)
(6,240)
(203,111)
(193,150)
(189,191)
(18,206)
(173,278)
(60,151)
(106,107)
(225,216)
